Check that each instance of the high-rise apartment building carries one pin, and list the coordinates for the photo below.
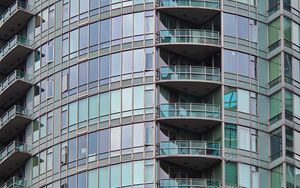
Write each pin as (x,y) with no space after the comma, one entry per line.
(150,94)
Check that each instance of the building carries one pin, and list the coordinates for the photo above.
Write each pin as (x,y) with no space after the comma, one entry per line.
(166,94)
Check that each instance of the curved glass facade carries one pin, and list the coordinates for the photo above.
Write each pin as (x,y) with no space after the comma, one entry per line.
(143,93)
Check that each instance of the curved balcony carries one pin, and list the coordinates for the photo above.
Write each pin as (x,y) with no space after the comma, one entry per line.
(13,157)
(12,88)
(190,153)
(14,182)
(189,182)
(13,122)
(191,116)
(14,19)
(195,43)
(13,53)
(197,11)
(195,80)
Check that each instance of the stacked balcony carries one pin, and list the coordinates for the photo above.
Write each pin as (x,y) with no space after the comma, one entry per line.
(12,88)
(14,19)
(12,157)
(188,74)
(14,84)
(13,122)
(13,53)
(190,152)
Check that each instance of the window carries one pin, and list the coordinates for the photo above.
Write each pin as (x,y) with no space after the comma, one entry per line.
(274,69)
(230,98)
(289,142)
(83,39)
(243,101)
(127,174)
(243,29)
(276,177)
(83,76)
(231,173)
(244,138)
(276,144)
(230,61)
(36,133)
(43,122)
(230,136)
(229,22)
(275,107)
(274,33)
(128,25)
(82,110)
(50,86)
(92,146)
(244,175)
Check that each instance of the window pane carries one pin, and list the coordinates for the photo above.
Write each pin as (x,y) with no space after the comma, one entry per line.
(126,174)
(115,174)
(243,24)
(138,169)
(93,106)
(229,22)
(126,136)
(83,112)
(139,23)
(244,138)
(93,179)
(104,177)
(127,25)
(73,113)
(243,101)
(115,143)
(244,175)
(230,61)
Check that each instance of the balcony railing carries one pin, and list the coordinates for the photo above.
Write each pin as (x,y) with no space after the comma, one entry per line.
(11,113)
(16,75)
(12,148)
(193,110)
(14,182)
(18,5)
(16,40)
(189,182)
(214,4)
(190,147)
(194,36)
(182,72)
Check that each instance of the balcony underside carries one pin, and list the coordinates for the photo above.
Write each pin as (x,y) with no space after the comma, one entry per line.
(13,127)
(197,15)
(12,163)
(193,124)
(192,87)
(11,94)
(6,3)
(196,162)
(13,58)
(192,50)
(14,24)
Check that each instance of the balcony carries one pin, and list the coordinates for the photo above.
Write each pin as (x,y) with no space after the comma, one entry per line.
(13,122)
(13,157)
(195,80)
(189,153)
(189,182)
(197,11)
(13,53)
(190,116)
(14,19)
(12,88)
(14,182)
(195,43)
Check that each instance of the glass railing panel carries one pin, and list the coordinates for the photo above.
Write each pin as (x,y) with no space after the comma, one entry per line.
(190,36)
(190,73)
(16,75)
(215,4)
(190,110)
(13,147)
(14,182)
(13,8)
(12,112)
(186,182)
(189,147)
(16,40)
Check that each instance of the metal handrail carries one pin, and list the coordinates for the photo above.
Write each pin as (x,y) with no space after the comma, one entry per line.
(186,72)
(189,36)
(13,147)
(18,5)
(190,147)
(16,75)
(14,182)
(194,3)
(189,110)
(11,113)
(16,40)
(189,182)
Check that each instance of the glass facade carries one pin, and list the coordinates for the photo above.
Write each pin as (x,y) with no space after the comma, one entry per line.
(143,93)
